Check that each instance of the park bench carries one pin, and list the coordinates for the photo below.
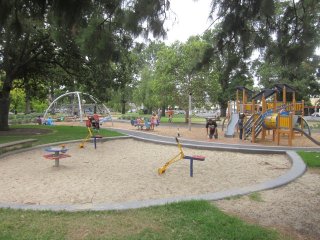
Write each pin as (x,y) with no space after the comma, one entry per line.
(10,146)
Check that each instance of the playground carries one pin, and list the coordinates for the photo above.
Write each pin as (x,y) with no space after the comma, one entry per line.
(107,175)
(90,176)
(271,117)
(110,175)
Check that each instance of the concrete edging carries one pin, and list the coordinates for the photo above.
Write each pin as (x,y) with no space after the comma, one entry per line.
(14,145)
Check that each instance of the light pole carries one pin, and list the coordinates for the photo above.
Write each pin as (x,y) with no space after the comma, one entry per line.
(190,112)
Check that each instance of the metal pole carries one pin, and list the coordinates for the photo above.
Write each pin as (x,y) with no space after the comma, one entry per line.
(191,167)
(190,112)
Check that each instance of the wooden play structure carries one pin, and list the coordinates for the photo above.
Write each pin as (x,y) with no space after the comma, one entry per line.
(178,157)
(273,110)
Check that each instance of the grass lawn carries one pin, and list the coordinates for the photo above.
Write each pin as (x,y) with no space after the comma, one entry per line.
(185,220)
(177,118)
(55,134)
(312,159)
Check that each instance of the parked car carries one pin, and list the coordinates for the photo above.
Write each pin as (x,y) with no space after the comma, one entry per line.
(179,112)
(316,114)
(132,111)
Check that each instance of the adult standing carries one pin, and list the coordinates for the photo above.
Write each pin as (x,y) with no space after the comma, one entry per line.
(240,124)
(170,114)
(159,113)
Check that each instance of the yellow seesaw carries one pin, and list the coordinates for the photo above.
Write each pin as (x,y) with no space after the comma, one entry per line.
(87,137)
(90,134)
(178,157)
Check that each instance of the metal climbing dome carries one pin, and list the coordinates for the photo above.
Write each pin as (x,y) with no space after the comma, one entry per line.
(76,105)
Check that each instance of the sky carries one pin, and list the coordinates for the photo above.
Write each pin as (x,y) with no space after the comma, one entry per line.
(189,18)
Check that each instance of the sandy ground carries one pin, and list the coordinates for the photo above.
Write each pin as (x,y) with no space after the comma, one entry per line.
(120,171)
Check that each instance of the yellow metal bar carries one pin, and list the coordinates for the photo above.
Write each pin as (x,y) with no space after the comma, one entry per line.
(176,158)
(87,137)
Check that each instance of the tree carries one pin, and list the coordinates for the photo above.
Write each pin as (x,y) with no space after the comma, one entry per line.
(146,85)
(177,75)
(228,65)
(144,93)
(289,55)
(286,34)
(231,43)
(55,31)
(189,79)
(164,77)
(17,100)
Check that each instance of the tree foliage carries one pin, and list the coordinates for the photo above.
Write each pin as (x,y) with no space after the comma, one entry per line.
(171,73)
(290,55)
(81,37)
(286,34)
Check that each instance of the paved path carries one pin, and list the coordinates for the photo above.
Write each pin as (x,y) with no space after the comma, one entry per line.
(149,136)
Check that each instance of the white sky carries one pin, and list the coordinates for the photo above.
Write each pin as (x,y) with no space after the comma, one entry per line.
(191,19)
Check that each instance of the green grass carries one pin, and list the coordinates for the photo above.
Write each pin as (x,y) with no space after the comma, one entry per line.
(234,197)
(256,196)
(185,220)
(312,159)
(177,118)
(56,134)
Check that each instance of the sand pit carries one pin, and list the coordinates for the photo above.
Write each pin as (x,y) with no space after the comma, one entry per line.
(126,170)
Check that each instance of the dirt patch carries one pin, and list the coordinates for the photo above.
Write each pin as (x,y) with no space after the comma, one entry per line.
(293,209)
(24,131)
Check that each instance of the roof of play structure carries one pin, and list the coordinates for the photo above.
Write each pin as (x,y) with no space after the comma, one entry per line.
(266,92)
(280,87)
(248,91)
(241,88)
(269,92)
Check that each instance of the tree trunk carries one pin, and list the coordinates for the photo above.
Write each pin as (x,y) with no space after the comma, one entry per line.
(28,104)
(187,116)
(123,107)
(223,108)
(52,98)
(4,111)
(163,111)
(27,89)
(5,104)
